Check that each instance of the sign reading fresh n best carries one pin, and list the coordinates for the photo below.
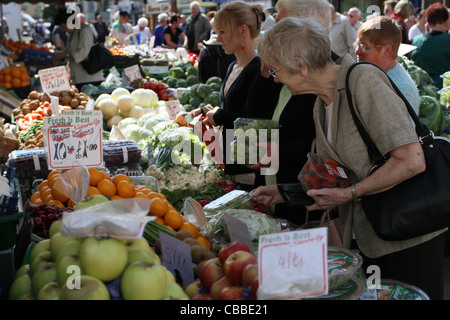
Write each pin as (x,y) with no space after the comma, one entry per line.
(74,139)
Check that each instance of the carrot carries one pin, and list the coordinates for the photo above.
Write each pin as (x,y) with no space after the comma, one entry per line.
(39,109)
(28,117)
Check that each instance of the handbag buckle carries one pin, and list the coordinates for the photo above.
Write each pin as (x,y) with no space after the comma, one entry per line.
(429,135)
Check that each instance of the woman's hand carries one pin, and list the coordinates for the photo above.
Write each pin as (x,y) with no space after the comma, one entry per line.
(267,195)
(209,119)
(196,112)
(58,57)
(328,198)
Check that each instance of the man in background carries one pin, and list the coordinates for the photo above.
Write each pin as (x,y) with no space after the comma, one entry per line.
(102,29)
(342,35)
(198,28)
(354,16)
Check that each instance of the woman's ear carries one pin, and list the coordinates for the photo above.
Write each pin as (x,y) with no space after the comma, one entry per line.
(302,68)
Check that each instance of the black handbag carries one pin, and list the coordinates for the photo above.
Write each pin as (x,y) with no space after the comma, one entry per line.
(419,205)
(99,58)
(294,195)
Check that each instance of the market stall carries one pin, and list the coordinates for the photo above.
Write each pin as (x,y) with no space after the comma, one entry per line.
(119,175)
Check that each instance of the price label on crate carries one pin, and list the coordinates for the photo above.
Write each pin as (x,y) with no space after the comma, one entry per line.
(74,139)
(133,72)
(54,79)
(293,264)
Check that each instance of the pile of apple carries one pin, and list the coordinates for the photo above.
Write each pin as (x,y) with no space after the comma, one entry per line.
(232,275)
(91,268)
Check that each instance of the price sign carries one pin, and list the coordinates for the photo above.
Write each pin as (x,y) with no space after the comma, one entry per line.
(74,139)
(133,72)
(54,79)
(172,107)
(176,257)
(293,264)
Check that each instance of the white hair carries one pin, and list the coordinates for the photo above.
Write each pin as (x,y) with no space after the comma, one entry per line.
(194,3)
(142,22)
(163,15)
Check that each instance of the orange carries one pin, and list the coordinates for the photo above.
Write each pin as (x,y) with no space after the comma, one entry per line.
(7,78)
(24,77)
(106,187)
(95,176)
(47,198)
(52,174)
(200,238)
(57,203)
(160,221)
(46,192)
(7,85)
(35,196)
(91,191)
(116,197)
(162,196)
(152,195)
(7,71)
(125,189)
(70,203)
(140,194)
(146,191)
(16,73)
(58,195)
(173,219)
(119,177)
(158,207)
(52,180)
(16,82)
(39,201)
(105,175)
(190,227)
(169,227)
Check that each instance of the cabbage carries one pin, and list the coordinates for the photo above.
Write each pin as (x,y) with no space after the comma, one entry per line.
(136,112)
(156,122)
(173,136)
(146,98)
(125,103)
(141,121)
(136,133)
(126,122)
(108,107)
(113,121)
(119,92)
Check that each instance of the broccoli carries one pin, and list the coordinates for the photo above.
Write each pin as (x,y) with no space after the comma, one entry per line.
(213,98)
(193,89)
(191,80)
(177,72)
(184,97)
(214,79)
(195,101)
(203,90)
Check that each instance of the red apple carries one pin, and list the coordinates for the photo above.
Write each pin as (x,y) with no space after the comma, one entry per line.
(249,274)
(218,286)
(193,288)
(232,293)
(254,288)
(234,246)
(211,271)
(235,264)
(202,296)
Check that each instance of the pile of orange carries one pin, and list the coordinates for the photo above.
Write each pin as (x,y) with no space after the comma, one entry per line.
(14,77)
(19,46)
(48,194)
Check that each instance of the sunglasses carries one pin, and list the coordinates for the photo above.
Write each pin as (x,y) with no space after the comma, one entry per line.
(273,72)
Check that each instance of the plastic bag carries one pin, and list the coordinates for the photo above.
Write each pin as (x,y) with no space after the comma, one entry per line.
(74,183)
(125,218)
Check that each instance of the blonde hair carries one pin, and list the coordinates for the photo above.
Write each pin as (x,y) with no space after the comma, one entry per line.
(237,13)
(320,9)
(296,43)
(404,9)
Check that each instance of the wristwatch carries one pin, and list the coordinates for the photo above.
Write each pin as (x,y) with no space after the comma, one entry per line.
(354,194)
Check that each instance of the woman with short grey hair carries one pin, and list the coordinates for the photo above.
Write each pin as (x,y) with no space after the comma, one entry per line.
(298,52)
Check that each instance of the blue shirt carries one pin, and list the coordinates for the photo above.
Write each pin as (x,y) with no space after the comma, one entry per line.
(159,35)
(403,81)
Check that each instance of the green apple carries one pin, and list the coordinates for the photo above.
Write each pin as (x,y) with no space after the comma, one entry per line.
(104,259)
(41,246)
(137,243)
(170,276)
(42,259)
(143,281)
(138,254)
(24,269)
(55,227)
(62,268)
(42,276)
(57,242)
(20,286)
(27,296)
(174,292)
(91,201)
(50,291)
(68,248)
(91,288)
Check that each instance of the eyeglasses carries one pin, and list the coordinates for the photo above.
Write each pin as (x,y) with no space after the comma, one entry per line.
(363,48)
(273,72)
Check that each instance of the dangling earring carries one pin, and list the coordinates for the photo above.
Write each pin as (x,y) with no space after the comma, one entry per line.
(242,47)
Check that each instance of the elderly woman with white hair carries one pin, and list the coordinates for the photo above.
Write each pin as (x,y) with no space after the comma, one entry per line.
(299,52)
(142,31)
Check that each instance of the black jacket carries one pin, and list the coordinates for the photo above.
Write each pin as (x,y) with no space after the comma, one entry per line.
(213,61)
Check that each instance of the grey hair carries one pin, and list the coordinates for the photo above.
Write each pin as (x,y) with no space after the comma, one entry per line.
(296,43)
(320,9)
(194,3)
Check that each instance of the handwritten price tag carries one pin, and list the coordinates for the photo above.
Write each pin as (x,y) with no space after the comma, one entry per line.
(176,257)
(172,107)
(54,79)
(74,139)
(133,72)
(293,265)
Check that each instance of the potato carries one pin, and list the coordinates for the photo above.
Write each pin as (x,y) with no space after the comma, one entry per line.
(33,95)
(26,110)
(74,103)
(65,100)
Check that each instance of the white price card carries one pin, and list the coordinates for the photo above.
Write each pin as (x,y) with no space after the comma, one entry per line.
(133,72)
(74,139)
(173,107)
(54,79)
(293,265)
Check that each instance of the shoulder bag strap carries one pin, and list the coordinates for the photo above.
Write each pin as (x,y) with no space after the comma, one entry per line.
(374,154)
